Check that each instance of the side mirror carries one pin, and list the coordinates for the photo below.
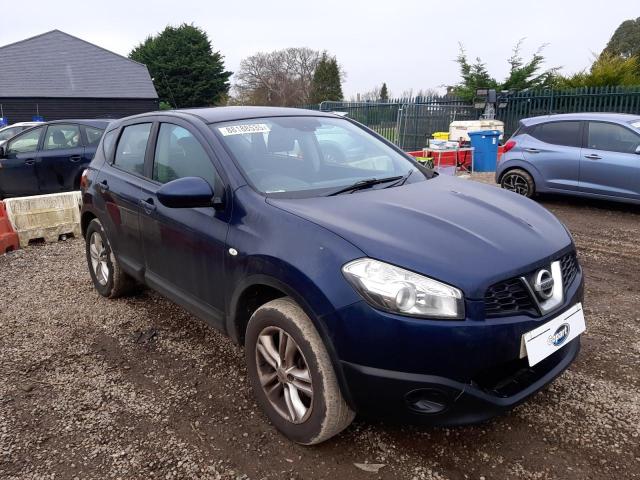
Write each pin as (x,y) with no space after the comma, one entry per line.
(187,192)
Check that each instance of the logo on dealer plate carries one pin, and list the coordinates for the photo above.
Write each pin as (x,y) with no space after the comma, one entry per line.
(560,335)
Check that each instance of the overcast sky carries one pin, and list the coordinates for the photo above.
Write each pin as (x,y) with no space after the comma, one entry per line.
(410,44)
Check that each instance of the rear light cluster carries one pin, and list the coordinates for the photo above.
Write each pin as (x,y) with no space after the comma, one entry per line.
(84,179)
(509,145)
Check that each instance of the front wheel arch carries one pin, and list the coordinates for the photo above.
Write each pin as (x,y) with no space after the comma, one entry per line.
(236,326)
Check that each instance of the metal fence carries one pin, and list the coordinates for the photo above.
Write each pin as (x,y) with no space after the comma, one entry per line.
(588,99)
(409,122)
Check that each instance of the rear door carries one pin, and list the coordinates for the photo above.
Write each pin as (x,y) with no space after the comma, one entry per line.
(184,247)
(18,168)
(119,185)
(59,158)
(610,164)
(554,149)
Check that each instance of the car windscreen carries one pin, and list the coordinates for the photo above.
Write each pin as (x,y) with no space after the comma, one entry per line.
(309,156)
(7,133)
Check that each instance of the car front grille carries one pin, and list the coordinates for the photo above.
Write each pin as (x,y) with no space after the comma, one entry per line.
(512,297)
(569,265)
(508,298)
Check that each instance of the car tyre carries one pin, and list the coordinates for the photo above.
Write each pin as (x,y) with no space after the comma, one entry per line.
(108,277)
(519,181)
(292,375)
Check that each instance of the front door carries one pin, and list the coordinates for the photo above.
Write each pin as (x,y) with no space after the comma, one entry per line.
(59,159)
(610,165)
(184,248)
(18,168)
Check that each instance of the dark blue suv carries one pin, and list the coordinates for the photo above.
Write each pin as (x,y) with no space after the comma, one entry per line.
(357,280)
(48,158)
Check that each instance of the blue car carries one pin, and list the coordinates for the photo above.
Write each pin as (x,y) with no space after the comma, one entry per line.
(48,158)
(370,285)
(593,155)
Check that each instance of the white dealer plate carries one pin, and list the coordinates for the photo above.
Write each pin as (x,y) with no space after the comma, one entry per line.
(538,344)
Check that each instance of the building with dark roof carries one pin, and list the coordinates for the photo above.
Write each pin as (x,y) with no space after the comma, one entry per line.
(56,75)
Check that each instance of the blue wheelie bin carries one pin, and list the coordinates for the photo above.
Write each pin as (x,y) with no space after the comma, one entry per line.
(485,150)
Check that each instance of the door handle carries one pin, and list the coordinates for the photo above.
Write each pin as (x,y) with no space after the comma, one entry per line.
(30,162)
(75,158)
(593,156)
(532,150)
(147,205)
(103,186)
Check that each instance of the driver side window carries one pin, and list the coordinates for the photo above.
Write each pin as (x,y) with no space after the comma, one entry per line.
(611,137)
(26,142)
(179,154)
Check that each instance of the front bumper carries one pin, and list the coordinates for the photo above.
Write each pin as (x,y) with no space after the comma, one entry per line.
(434,400)
(442,372)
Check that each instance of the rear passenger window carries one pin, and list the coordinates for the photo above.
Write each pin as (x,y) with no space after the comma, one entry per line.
(60,137)
(612,138)
(132,147)
(179,155)
(558,133)
(93,135)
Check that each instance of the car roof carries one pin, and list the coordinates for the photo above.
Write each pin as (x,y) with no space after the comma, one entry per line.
(225,114)
(21,124)
(612,117)
(92,122)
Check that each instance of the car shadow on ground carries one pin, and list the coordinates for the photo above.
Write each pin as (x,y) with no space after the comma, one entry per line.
(582,202)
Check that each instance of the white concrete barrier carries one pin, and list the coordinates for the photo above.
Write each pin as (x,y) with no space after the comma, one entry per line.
(45,216)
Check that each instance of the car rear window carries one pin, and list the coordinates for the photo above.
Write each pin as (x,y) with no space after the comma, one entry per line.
(558,133)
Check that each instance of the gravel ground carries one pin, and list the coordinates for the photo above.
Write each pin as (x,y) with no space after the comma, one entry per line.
(138,388)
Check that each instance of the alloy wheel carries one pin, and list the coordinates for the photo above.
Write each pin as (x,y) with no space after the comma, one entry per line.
(516,183)
(284,374)
(98,254)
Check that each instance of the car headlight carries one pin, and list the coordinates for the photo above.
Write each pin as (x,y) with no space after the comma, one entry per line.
(397,290)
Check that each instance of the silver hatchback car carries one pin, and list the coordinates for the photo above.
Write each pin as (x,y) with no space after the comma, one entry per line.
(585,154)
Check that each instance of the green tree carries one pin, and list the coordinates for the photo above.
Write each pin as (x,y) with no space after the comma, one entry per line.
(607,70)
(326,83)
(474,76)
(185,70)
(522,74)
(384,93)
(625,41)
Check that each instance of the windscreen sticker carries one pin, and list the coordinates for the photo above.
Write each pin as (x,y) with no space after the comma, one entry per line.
(244,129)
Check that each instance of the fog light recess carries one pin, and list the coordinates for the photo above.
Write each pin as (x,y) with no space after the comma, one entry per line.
(427,401)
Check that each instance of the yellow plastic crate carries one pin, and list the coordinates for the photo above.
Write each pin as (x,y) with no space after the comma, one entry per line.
(441,135)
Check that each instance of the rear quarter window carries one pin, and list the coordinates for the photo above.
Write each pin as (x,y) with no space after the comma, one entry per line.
(108,143)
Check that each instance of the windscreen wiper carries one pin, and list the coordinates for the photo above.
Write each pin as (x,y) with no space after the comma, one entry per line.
(401,180)
(362,184)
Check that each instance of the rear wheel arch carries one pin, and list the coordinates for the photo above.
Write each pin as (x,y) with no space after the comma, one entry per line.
(525,175)
(85,220)
(511,168)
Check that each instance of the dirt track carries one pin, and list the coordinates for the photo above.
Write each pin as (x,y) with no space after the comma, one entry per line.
(137,388)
